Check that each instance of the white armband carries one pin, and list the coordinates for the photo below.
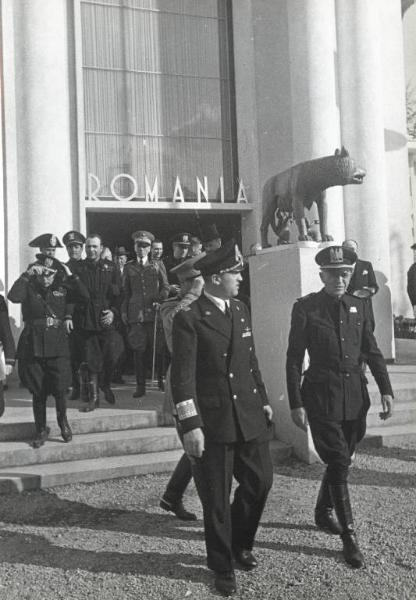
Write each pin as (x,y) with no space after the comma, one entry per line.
(186,409)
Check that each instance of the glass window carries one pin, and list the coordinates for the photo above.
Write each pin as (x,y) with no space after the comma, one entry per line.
(158,88)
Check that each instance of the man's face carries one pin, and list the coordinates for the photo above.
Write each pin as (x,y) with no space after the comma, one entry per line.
(179,251)
(121,260)
(93,248)
(157,250)
(229,283)
(336,281)
(212,245)
(46,279)
(74,251)
(141,249)
(48,251)
(196,248)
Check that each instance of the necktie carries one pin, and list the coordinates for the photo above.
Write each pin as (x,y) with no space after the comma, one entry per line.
(141,262)
(228,311)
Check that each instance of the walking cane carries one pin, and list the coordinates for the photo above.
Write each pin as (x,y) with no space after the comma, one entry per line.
(154,385)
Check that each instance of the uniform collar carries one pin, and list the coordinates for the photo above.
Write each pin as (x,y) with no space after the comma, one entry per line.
(219,302)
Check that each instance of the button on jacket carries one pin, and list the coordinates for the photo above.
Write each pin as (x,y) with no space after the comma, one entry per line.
(338,336)
(214,365)
(143,285)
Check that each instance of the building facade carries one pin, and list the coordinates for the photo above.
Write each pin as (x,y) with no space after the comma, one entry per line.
(166,114)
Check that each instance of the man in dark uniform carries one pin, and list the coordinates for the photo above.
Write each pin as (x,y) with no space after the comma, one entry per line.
(102,345)
(411,283)
(181,243)
(74,242)
(43,350)
(211,239)
(335,328)
(224,413)
(47,244)
(144,286)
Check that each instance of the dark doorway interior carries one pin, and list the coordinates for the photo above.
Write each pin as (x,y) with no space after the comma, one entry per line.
(116,228)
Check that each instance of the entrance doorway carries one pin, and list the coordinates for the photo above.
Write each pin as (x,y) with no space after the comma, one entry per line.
(116,228)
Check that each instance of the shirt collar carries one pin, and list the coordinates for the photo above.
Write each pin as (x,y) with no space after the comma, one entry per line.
(144,260)
(219,302)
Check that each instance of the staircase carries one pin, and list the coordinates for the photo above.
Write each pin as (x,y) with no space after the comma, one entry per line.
(110,442)
(400,429)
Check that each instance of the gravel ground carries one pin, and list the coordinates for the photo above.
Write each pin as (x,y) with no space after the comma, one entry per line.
(109,540)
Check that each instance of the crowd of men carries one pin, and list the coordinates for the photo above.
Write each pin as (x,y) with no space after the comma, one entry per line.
(79,318)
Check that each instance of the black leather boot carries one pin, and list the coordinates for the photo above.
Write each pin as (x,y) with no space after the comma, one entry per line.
(61,418)
(39,413)
(93,401)
(341,499)
(84,380)
(140,375)
(324,517)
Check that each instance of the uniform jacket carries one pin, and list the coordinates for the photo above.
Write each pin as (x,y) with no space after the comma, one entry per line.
(39,338)
(215,379)
(170,262)
(142,287)
(363,276)
(104,292)
(411,284)
(338,337)
(6,337)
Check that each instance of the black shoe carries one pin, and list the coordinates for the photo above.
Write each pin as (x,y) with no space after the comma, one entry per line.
(325,520)
(246,559)
(66,431)
(351,551)
(108,395)
(178,509)
(40,438)
(225,582)
(140,391)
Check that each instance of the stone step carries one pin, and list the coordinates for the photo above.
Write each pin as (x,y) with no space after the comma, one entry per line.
(34,477)
(18,424)
(91,445)
(390,436)
(403,412)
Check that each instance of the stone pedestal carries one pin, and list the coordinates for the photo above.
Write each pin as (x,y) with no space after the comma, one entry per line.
(279,276)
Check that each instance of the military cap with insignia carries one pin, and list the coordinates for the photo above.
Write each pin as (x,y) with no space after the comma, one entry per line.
(186,269)
(73,237)
(50,264)
(143,236)
(336,257)
(226,259)
(46,240)
(183,239)
(209,233)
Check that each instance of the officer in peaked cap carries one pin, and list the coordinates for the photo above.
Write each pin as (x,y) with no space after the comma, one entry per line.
(180,243)
(47,243)
(74,242)
(224,413)
(335,328)
(211,238)
(144,287)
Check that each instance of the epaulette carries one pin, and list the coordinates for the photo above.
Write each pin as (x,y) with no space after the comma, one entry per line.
(303,298)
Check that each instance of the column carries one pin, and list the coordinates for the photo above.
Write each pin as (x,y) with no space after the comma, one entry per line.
(315,113)
(43,118)
(362,128)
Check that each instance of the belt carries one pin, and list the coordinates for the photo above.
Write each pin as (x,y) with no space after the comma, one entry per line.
(46,322)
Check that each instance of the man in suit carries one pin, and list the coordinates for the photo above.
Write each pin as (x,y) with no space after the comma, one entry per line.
(224,413)
(363,283)
(144,287)
(336,330)
(411,283)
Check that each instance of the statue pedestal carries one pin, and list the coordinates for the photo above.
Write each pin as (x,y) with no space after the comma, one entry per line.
(278,276)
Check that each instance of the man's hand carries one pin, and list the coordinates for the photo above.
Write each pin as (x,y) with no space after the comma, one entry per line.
(66,269)
(299,418)
(194,443)
(107,317)
(268,411)
(69,326)
(8,370)
(35,270)
(174,289)
(387,405)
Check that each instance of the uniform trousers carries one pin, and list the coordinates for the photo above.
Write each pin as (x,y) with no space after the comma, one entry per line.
(101,351)
(335,443)
(141,338)
(181,476)
(43,376)
(234,526)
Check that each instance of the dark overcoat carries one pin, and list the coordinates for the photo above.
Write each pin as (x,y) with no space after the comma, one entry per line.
(363,276)
(215,378)
(338,337)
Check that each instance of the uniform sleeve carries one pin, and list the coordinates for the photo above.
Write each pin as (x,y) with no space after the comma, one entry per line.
(169,309)
(372,281)
(295,355)
(126,291)
(183,372)
(163,283)
(18,291)
(6,336)
(374,357)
